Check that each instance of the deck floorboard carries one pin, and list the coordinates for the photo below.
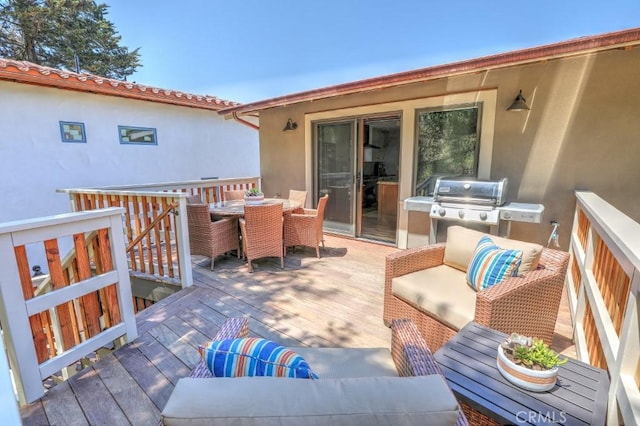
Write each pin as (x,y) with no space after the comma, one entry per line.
(332,301)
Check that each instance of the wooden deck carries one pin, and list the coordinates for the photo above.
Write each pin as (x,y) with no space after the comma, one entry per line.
(332,301)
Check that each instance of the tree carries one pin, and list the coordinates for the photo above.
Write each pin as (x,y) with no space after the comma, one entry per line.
(53,32)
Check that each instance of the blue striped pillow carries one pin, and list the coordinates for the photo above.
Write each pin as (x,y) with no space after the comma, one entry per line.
(252,356)
(490,264)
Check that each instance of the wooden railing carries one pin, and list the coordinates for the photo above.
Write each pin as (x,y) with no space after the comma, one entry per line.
(603,286)
(155,220)
(86,304)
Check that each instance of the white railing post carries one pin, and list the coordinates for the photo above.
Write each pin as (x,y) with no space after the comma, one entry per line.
(182,242)
(8,402)
(118,248)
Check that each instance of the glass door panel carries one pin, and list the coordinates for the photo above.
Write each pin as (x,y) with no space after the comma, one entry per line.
(335,144)
(379,170)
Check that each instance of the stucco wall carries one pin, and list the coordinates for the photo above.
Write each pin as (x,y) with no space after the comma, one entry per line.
(34,162)
(582,132)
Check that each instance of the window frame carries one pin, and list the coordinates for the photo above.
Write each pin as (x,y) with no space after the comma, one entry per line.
(453,107)
(63,132)
(137,128)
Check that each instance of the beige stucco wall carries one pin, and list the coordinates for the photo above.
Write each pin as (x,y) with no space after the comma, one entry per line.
(582,132)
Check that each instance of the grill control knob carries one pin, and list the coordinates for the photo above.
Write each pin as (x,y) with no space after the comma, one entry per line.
(461,214)
(483,216)
(442,211)
(506,215)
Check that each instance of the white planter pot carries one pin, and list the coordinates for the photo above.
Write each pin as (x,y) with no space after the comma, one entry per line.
(533,380)
(254,200)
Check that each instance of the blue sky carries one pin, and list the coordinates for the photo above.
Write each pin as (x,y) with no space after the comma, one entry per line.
(256,49)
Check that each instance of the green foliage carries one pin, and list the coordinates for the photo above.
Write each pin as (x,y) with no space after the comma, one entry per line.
(52,32)
(252,192)
(532,353)
(447,143)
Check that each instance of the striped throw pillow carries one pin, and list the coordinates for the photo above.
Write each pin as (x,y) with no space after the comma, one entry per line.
(490,264)
(253,357)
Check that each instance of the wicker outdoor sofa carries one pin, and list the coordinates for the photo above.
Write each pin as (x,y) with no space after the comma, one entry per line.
(357,386)
(439,301)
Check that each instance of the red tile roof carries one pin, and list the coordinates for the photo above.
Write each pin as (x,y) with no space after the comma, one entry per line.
(30,73)
(583,45)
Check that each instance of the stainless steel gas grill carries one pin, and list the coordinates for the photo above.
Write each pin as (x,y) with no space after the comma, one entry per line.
(478,204)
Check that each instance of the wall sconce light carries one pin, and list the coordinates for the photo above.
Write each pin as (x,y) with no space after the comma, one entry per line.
(519,103)
(291,125)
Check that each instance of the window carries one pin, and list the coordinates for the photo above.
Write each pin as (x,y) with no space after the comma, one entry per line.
(447,145)
(72,132)
(137,135)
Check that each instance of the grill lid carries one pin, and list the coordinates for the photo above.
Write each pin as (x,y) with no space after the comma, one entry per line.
(469,190)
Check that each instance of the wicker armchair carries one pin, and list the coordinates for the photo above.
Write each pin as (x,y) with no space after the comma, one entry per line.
(211,239)
(527,305)
(234,195)
(306,229)
(299,197)
(261,231)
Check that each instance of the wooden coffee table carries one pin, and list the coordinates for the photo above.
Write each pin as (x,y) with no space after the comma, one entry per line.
(468,361)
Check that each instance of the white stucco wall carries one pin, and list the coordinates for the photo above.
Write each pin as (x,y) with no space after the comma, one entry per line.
(34,162)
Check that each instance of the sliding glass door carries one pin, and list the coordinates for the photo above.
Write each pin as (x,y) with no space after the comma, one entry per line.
(335,174)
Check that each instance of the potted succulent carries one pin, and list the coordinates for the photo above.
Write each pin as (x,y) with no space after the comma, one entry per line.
(528,363)
(253,196)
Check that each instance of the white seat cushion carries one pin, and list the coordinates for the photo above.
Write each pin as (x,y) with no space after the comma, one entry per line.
(441,291)
(337,363)
(271,401)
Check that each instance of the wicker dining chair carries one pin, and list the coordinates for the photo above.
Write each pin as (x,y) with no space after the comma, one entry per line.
(194,199)
(234,195)
(261,230)
(299,197)
(306,229)
(211,239)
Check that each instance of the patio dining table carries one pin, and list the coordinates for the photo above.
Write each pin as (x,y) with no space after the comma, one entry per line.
(236,207)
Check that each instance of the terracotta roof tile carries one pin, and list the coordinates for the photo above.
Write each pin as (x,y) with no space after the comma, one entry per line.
(30,73)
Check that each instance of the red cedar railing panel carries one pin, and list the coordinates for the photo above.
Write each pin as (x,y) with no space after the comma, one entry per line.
(576,275)
(138,230)
(594,345)
(128,202)
(64,311)
(35,321)
(147,254)
(166,224)
(613,283)
(90,304)
(583,229)
(106,262)
(68,274)
(140,304)
(160,248)
(174,225)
